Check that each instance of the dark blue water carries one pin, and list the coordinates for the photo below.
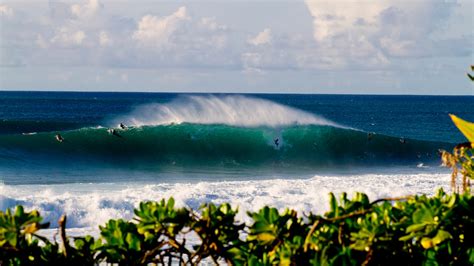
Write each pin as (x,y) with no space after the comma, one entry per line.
(417,117)
(362,132)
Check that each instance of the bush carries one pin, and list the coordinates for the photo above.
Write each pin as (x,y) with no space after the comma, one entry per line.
(416,230)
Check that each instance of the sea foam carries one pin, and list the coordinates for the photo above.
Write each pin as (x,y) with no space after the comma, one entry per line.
(90,205)
(229,110)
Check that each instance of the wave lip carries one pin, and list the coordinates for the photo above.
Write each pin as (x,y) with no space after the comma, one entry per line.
(231,110)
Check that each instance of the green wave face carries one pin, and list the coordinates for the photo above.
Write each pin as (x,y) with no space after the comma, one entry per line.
(216,145)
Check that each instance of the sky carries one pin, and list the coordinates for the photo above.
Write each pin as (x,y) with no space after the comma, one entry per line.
(351,47)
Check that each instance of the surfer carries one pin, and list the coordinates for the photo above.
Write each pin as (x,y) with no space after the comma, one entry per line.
(114,132)
(369,136)
(122,126)
(59,138)
(277,142)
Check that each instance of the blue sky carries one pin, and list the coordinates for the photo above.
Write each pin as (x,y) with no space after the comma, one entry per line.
(361,47)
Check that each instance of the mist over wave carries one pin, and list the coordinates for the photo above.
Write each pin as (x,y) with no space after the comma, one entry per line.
(228,110)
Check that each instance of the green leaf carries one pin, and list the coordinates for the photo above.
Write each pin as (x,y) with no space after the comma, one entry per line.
(452,201)
(171,203)
(12,240)
(261,227)
(333,203)
(467,128)
(415,227)
(133,241)
(441,236)
(422,215)
(406,238)
(470,253)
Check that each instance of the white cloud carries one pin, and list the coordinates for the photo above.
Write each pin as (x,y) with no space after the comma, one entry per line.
(263,37)
(104,39)
(251,60)
(68,37)
(86,10)
(404,19)
(124,77)
(408,29)
(41,42)
(333,36)
(180,40)
(6,11)
(210,23)
(331,18)
(397,47)
(155,31)
(372,33)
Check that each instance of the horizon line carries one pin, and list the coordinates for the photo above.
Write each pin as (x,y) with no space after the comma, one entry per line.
(217,92)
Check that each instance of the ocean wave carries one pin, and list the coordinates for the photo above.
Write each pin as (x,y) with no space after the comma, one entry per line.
(222,131)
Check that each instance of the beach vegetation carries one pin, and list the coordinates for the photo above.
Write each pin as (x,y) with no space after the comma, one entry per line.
(416,230)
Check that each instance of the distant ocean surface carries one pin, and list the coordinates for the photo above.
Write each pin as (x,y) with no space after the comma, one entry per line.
(251,150)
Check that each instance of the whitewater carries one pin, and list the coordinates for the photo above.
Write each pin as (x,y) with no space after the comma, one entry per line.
(234,110)
(91,205)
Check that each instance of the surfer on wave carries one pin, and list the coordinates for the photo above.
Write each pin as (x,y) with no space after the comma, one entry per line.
(114,132)
(369,136)
(122,126)
(59,138)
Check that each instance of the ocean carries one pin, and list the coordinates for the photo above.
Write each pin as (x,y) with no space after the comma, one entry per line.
(247,149)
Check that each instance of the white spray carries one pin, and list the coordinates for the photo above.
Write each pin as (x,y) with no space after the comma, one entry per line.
(230,110)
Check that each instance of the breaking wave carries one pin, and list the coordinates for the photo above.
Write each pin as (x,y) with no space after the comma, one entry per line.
(238,111)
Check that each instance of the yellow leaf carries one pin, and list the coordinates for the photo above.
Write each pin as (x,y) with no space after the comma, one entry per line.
(30,229)
(265,237)
(426,242)
(467,128)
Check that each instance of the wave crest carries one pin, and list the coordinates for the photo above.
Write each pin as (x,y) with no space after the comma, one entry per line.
(228,110)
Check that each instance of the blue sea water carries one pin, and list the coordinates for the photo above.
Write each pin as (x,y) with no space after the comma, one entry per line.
(247,149)
(417,117)
(172,135)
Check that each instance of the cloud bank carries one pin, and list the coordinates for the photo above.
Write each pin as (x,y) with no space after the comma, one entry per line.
(348,35)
